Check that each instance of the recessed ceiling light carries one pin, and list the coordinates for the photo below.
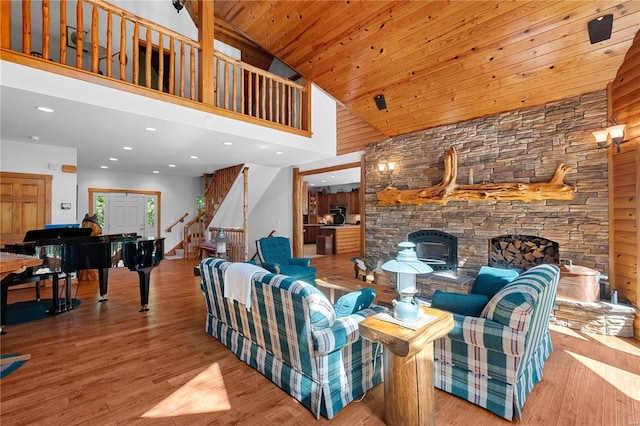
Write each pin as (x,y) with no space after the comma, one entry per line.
(156,171)
(263,147)
(113,159)
(127,148)
(332,177)
(323,181)
(312,184)
(150,129)
(227,143)
(193,157)
(44,109)
(34,138)
(172,165)
(104,167)
(279,152)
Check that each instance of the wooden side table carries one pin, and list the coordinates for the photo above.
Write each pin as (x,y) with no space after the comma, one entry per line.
(409,395)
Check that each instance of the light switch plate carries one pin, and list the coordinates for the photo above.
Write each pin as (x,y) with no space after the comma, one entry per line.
(65,206)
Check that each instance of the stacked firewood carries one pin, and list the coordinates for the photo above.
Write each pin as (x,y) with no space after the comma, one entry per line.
(523,251)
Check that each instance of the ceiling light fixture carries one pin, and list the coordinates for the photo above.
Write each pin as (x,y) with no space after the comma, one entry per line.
(44,109)
(34,138)
(104,167)
(172,165)
(227,143)
(150,129)
(156,171)
(193,157)
(113,159)
(127,148)
(279,152)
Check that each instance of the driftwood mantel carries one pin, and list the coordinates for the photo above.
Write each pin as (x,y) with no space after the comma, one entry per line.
(449,190)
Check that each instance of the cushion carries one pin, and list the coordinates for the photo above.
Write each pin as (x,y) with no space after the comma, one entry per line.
(512,306)
(353,302)
(459,303)
(490,280)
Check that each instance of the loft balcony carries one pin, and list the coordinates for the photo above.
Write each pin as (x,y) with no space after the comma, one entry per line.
(97,42)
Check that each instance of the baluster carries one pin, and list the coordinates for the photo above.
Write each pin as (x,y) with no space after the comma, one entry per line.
(26,27)
(95,55)
(192,65)
(45,29)
(182,69)
(136,52)
(79,35)
(172,66)
(63,31)
(147,58)
(123,48)
(109,60)
(161,62)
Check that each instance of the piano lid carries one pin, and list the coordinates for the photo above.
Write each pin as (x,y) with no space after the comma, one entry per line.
(52,233)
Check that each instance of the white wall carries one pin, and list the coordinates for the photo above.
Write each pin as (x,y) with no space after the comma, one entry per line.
(178,195)
(22,157)
(273,210)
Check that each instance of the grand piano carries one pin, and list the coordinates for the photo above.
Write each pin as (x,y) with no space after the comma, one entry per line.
(67,250)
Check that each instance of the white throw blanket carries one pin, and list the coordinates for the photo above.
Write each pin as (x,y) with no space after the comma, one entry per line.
(237,282)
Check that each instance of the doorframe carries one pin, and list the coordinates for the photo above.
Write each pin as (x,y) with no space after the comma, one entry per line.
(157,194)
(298,190)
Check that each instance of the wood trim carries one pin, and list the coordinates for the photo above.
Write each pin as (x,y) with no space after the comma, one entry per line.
(298,231)
(158,194)
(69,168)
(363,222)
(5,24)
(331,168)
(206,52)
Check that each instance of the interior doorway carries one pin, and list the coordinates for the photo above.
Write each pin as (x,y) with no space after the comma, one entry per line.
(126,211)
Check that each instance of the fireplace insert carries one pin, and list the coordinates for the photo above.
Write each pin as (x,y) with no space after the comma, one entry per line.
(438,249)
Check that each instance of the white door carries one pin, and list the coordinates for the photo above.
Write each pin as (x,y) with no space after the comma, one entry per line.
(126,213)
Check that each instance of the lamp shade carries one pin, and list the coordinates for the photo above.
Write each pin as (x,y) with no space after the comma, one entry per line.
(407,261)
(617,131)
(601,136)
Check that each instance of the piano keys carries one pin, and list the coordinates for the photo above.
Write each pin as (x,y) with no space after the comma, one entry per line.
(62,252)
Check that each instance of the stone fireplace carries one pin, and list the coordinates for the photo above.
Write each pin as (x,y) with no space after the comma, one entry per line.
(436,248)
(519,146)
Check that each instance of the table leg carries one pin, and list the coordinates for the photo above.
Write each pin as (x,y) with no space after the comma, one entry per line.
(409,395)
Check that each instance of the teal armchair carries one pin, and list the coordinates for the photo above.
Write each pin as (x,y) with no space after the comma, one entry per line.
(275,256)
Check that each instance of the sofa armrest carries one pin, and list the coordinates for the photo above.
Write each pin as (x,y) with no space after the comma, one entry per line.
(485,333)
(272,267)
(343,332)
(300,261)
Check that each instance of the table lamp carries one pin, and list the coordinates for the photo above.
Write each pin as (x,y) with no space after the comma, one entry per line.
(406,265)
(221,243)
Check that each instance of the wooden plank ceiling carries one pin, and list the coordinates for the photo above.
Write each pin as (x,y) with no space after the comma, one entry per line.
(438,62)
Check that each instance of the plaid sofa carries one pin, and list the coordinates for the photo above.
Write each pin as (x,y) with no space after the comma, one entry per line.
(495,360)
(292,336)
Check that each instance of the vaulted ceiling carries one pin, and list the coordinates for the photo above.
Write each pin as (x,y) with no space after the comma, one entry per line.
(437,62)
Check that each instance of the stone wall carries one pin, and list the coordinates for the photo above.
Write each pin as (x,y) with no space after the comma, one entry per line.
(521,146)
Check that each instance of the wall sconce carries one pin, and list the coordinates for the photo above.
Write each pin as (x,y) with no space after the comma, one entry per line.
(616,132)
(406,265)
(387,167)
(221,243)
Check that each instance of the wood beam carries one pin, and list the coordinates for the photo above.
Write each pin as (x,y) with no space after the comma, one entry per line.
(206,59)
(447,190)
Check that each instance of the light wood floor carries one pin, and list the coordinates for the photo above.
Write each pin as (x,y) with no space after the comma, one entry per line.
(108,364)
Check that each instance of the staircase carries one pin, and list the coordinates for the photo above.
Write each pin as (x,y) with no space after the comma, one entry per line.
(217,186)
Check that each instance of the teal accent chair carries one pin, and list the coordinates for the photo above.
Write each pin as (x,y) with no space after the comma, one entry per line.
(275,256)
(494,359)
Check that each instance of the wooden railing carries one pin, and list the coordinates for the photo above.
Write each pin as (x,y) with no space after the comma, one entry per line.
(193,236)
(236,250)
(249,90)
(218,189)
(119,46)
(170,227)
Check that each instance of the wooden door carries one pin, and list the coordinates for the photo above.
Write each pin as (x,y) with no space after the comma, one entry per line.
(25,203)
